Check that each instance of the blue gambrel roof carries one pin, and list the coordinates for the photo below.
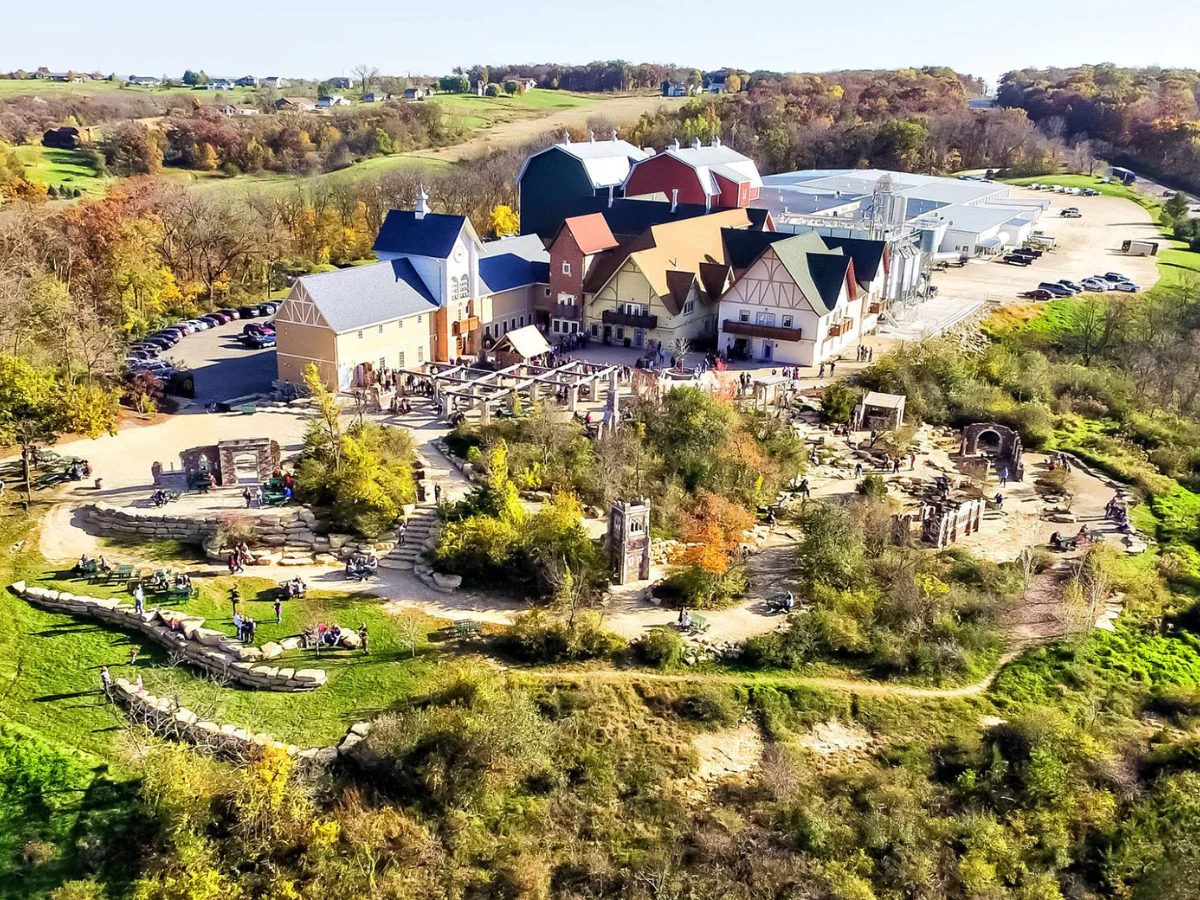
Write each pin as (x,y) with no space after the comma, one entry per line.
(506,271)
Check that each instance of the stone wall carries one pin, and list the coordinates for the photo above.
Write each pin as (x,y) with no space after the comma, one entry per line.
(168,719)
(205,648)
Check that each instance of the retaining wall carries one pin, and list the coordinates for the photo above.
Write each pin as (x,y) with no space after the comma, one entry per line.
(205,648)
(167,718)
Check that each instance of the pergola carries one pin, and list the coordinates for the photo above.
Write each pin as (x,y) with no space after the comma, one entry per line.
(476,388)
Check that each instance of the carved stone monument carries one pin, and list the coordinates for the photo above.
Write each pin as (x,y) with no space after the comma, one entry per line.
(629,540)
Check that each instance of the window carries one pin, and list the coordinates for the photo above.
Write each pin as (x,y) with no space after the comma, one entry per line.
(620,334)
(645,309)
(400,360)
(360,335)
(554,327)
(689,307)
(382,363)
(487,331)
(764,318)
(787,321)
(420,354)
(381,329)
(566,269)
(744,315)
(512,323)
(595,330)
(522,321)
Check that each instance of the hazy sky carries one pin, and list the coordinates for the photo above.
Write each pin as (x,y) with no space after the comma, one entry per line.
(310,39)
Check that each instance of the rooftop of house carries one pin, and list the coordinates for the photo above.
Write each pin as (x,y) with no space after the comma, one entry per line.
(362,296)
(817,266)
(432,235)
(712,160)
(505,271)
(591,232)
(606,162)
(526,246)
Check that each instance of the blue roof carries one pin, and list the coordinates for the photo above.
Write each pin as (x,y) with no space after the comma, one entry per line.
(434,235)
(368,295)
(506,271)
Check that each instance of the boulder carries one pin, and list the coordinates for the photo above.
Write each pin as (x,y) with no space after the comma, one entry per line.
(270,650)
(450,582)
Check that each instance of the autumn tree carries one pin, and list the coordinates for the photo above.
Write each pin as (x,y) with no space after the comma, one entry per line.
(716,527)
(504,221)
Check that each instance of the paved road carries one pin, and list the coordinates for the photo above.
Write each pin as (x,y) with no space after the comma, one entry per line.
(224,368)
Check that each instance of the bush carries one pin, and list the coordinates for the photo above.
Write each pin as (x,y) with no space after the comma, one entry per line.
(872,486)
(696,588)
(535,637)
(837,403)
(709,705)
(660,647)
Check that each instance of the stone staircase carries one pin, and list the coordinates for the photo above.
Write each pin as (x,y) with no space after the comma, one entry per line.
(419,536)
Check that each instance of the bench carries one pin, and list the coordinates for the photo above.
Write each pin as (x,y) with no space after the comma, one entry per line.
(272,499)
(123,573)
(182,593)
(699,624)
(248,409)
(89,569)
(466,629)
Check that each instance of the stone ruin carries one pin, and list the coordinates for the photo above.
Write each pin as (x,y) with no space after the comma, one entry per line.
(1000,446)
(221,460)
(945,521)
(629,540)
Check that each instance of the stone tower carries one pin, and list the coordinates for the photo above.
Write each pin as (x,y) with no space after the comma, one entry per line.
(629,540)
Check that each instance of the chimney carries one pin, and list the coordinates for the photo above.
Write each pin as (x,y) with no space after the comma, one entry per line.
(610,196)
(695,143)
(566,137)
(614,135)
(591,137)
(674,198)
(716,142)
(422,203)
(674,144)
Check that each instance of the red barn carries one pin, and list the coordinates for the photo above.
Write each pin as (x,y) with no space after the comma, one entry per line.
(714,176)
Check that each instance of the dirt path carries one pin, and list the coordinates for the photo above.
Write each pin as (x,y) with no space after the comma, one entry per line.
(874,688)
(618,110)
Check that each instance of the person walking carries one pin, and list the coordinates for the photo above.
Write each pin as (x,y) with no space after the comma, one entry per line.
(246,495)
(437,493)
(139,600)
(400,532)
(832,364)
(238,623)
(363,638)
(821,372)
(278,611)
(1003,473)
(858,470)
(912,460)
(105,679)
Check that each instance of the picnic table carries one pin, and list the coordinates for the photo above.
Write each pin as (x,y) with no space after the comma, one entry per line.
(467,629)
(182,593)
(89,569)
(122,572)
(699,624)
(248,409)
(273,498)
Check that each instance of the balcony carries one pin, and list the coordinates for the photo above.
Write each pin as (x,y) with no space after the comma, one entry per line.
(877,307)
(773,332)
(464,326)
(843,327)
(628,320)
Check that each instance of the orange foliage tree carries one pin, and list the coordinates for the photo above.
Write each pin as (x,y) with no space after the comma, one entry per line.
(715,526)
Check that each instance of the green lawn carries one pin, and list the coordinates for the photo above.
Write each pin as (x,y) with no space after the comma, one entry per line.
(50,663)
(483,112)
(59,168)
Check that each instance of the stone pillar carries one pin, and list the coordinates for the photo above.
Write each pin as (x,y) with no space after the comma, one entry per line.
(484,412)
(572,398)
(533,392)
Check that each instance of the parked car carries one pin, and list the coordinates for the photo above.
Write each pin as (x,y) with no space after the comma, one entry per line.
(1018,259)
(158,343)
(170,335)
(260,340)
(232,313)
(1114,277)
(213,320)
(1038,294)
(1096,284)
(1067,282)
(185,327)
(1090,192)
(1071,214)
(1056,289)
(271,308)
(247,312)
(199,325)
(1128,287)
(1033,252)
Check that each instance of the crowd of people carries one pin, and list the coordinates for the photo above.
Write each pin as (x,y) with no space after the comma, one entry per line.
(240,557)
(360,568)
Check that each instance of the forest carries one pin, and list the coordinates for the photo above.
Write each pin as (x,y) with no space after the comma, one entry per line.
(1145,118)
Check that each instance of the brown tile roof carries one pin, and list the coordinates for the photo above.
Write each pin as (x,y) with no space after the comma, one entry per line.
(715,277)
(591,233)
(679,285)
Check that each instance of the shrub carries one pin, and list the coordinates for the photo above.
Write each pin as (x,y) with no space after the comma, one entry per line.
(696,588)
(872,486)
(535,637)
(234,528)
(708,704)
(660,647)
(837,403)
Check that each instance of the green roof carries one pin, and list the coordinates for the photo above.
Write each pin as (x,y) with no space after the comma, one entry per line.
(818,271)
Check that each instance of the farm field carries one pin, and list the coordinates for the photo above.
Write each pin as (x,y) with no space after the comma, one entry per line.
(13,87)
(62,168)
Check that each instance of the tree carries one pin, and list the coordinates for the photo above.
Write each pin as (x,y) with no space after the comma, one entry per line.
(716,527)
(454,84)
(1087,330)
(837,403)
(133,149)
(733,83)
(1177,205)
(366,75)
(35,408)
(504,221)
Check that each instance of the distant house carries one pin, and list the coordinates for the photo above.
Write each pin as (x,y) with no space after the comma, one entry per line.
(715,86)
(981,103)
(414,93)
(71,77)
(275,81)
(220,84)
(247,81)
(675,89)
(341,82)
(230,110)
(528,84)
(144,81)
(376,97)
(295,103)
(67,137)
(332,100)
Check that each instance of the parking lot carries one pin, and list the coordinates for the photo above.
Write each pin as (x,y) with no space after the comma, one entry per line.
(223,367)
(1086,246)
